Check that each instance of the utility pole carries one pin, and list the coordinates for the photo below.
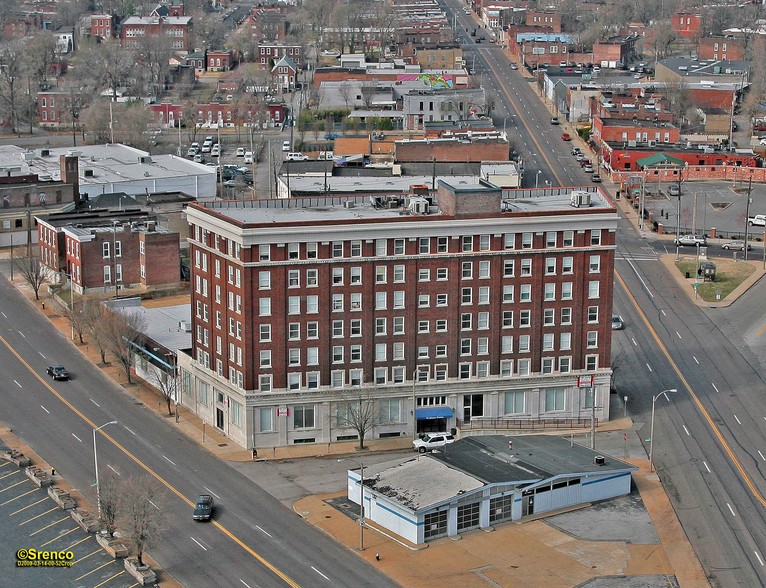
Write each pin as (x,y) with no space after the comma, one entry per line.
(592,418)
(678,219)
(747,214)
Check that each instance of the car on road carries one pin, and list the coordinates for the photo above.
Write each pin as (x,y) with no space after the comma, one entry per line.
(57,372)
(617,323)
(554,120)
(736,245)
(584,161)
(691,240)
(286,145)
(472,72)
(576,151)
(514,66)
(431,441)
(758,219)
(566,137)
(240,152)
(215,151)
(295,156)
(203,508)
(595,178)
(587,168)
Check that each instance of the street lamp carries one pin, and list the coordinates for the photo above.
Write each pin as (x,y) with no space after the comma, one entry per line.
(95,463)
(651,433)
(361,500)
(537,178)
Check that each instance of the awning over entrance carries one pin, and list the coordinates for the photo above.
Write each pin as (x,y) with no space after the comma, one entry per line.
(441,412)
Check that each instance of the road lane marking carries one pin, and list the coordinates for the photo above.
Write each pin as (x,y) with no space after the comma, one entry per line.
(687,431)
(41,354)
(679,335)
(76,437)
(129,431)
(697,361)
(198,543)
(45,409)
(267,564)
(109,579)
(90,572)
(61,520)
(154,505)
(715,387)
(761,454)
(15,512)
(663,312)
(701,407)
(111,468)
(4,315)
(634,341)
(87,556)
(740,422)
(262,531)
(650,367)
(19,385)
(94,402)
(706,467)
(320,573)
(168,460)
(245,583)
(731,509)
(211,492)
(760,561)
(22,334)
(635,271)
(760,331)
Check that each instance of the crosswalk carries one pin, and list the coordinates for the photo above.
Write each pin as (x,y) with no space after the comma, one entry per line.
(645,254)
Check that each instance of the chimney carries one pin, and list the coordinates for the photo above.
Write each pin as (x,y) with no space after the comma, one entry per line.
(70,174)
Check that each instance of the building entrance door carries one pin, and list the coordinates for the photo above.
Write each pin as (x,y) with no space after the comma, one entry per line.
(473,406)
(219,418)
(527,504)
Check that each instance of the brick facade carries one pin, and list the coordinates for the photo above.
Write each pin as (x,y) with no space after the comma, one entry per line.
(451,150)
(720,49)
(686,24)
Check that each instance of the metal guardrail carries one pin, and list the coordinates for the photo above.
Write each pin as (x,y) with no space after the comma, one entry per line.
(522,424)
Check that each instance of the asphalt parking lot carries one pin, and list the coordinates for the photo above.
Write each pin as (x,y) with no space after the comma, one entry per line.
(30,519)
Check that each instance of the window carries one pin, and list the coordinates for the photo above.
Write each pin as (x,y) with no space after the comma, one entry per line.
(265,421)
(356,353)
(507,319)
(514,402)
(312,304)
(337,276)
(398,325)
(264,383)
(568,240)
(593,287)
(484,242)
(380,352)
(566,290)
(467,243)
(311,250)
(294,305)
(424,275)
(264,280)
(547,341)
(554,399)
(550,239)
(312,355)
(424,300)
(380,300)
(482,345)
(523,344)
(592,314)
(381,247)
(356,301)
(549,292)
(549,317)
(442,245)
(380,377)
(356,249)
(294,357)
(398,351)
(466,320)
(107,274)
(356,327)
(424,326)
(594,265)
(265,358)
(441,325)
(547,365)
(441,300)
(483,322)
(424,245)
(265,332)
(337,354)
(441,351)
(467,270)
(591,362)
(466,296)
(312,330)
(550,266)
(526,240)
(398,273)
(380,326)
(380,274)
(465,347)
(423,352)
(337,248)
(293,278)
(484,295)
(390,410)
(294,381)
(292,251)
(264,252)
(312,278)
(337,379)
(565,365)
(264,307)
(118,253)
(595,237)
(591,341)
(464,371)
(303,416)
(105,249)
(525,292)
(398,246)
(482,369)
(399,299)
(567,265)
(441,274)
(483,269)
(566,316)
(508,268)
(526,267)
(509,241)
(337,302)
(337,328)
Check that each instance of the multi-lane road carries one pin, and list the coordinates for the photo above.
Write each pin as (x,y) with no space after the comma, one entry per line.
(253,541)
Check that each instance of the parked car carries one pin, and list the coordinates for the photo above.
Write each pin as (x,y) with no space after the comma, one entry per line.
(566,137)
(199,158)
(514,66)
(576,150)
(295,156)
(674,190)
(587,168)
(193,150)
(248,157)
(240,152)
(207,145)
(431,441)
(203,508)
(758,219)
(692,240)
(57,372)
(617,323)
(554,120)
(286,145)
(215,151)
(595,178)
(584,161)
(736,245)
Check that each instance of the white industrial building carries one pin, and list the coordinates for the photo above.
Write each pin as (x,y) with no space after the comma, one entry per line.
(478,482)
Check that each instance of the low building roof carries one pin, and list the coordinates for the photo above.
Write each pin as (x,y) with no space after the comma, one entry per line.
(660,159)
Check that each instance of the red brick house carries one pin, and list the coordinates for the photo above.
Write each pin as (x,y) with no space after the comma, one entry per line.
(219,60)
(533,48)
(686,24)
(269,53)
(178,28)
(268,22)
(614,130)
(544,19)
(55,108)
(285,74)
(620,49)
(102,26)
(166,114)
(721,48)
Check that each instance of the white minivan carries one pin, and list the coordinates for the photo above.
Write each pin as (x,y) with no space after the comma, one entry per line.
(285,145)
(248,157)
(295,156)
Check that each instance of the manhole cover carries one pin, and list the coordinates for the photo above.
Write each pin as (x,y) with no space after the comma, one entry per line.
(720,205)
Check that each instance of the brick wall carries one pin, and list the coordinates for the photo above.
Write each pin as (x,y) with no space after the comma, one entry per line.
(161,258)
(699,172)
(421,151)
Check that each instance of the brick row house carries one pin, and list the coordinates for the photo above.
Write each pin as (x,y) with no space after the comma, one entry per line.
(474,304)
(177,28)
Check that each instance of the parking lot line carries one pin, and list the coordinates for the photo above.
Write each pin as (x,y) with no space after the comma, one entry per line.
(13,486)
(760,331)
(14,473)
(49,526)
(28,506)
(38,516)
(86,557)
(76,543)
(19,496)
(72,530)
(95,570)
(109,579)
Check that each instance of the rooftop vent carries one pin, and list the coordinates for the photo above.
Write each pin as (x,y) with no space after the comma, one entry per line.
(599,460)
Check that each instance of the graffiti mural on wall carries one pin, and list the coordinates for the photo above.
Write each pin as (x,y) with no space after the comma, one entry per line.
(435,81)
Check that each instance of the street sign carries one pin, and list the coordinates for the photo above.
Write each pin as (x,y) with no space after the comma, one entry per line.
(282,411)
(585,381)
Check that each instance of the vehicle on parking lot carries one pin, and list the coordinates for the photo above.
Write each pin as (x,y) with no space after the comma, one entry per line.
(199,158)
(674,190)
(248,157)
(595,178)
(431,441)
(587,168)
(207,145)
(240,152)
(554,120)
(692,240)
(203,508)
(736,245)
(566,136)
(296,156)
(57,372)
(758,220)
(193,150)
(617,323)
(286,145)
(215,151)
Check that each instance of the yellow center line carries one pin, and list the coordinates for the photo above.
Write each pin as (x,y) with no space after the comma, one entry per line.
(50,525)
(760,331)
(268,565)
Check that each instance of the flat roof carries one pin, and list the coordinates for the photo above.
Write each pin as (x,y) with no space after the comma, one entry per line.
(388,184)
(162,322)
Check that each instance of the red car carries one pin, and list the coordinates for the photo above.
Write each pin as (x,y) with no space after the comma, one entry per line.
(566,136)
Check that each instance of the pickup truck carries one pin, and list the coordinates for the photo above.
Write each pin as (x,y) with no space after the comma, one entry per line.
(758,219)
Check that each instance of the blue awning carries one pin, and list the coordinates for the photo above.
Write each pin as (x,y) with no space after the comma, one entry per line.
(441,412)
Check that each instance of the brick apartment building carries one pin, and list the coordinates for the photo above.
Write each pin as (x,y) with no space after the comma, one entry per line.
(477,303)
(721,48)
(177,28)
(108,250)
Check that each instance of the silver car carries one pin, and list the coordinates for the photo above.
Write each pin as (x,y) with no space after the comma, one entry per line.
(617,323)
(692,240)
(736,245)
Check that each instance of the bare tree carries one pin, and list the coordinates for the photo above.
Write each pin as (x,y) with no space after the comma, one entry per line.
(39,55)
(11,71)
(77,318)
(107,65)
(109,497)
(96,319)
(209,32)
(125,329)
(165,383)
(664,37)
(33,271)
(138,517)
(155,51)
(359,411)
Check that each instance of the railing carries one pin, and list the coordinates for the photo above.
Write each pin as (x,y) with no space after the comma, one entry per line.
(522,424)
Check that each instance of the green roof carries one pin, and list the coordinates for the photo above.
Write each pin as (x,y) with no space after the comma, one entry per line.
(660,159)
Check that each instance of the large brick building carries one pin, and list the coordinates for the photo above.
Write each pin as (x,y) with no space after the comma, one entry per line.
(475,303)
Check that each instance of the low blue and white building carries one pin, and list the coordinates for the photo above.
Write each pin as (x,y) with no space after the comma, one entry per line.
(478,482)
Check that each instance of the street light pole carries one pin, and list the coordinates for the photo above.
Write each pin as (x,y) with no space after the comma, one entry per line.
(95,464)
(414,407)
(537,178)
(361,500)
(651,433)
